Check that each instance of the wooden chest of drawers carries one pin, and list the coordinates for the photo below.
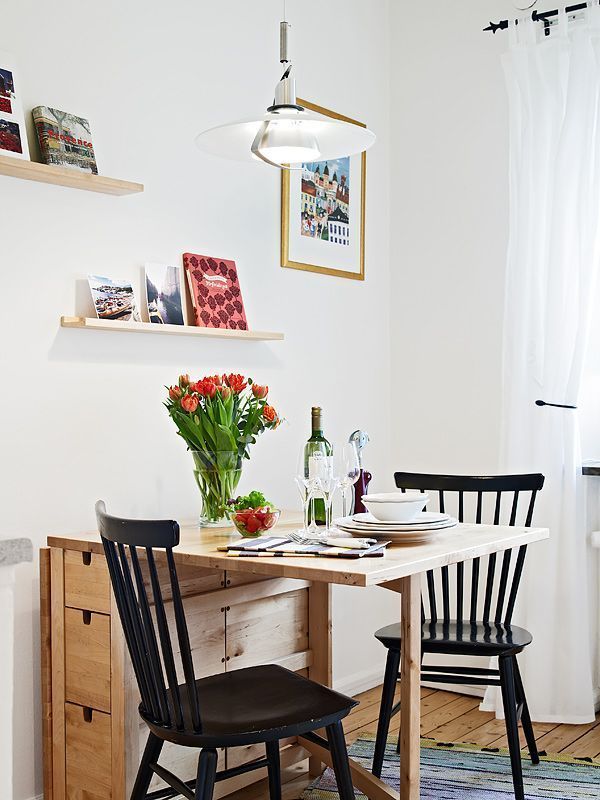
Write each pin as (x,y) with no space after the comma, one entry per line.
(92,731)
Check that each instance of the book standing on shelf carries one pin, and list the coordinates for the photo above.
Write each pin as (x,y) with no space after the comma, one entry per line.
(65,140)
(215,292)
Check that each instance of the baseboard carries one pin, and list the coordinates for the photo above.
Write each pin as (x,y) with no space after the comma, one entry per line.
(369,678)
(472,691)
(359,681)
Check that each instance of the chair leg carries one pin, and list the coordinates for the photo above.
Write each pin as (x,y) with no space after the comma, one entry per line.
(272,749)
(144,774)
(207,770)
(339,758)
(525,717)
(507,683)
(385,710)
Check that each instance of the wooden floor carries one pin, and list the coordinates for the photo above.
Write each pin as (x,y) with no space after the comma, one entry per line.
(447,717)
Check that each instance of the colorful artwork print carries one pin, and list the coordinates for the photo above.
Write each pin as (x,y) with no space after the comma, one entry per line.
(13,138)
(113,299)
(215,292)
(163,294)
(325,201)
(7,83)
(65,139)
(10,136)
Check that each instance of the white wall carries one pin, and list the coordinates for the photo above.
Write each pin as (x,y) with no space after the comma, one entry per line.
(81,412)
(449,210)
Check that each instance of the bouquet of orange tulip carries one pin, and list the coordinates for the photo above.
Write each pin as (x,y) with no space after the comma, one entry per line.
(219,417)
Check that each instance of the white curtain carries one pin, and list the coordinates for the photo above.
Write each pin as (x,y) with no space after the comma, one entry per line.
(554,92)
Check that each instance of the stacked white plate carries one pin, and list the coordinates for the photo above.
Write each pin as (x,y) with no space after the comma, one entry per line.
(420,528)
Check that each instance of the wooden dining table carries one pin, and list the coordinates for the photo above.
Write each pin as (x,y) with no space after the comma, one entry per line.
(399,571)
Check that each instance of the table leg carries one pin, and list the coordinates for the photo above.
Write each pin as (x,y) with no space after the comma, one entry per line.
(410,689)
(319,638)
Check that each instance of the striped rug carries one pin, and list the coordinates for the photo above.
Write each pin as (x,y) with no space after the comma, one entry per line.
(465,772)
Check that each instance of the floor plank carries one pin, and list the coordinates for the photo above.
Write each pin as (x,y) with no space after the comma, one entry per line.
(447,717)
(563,736)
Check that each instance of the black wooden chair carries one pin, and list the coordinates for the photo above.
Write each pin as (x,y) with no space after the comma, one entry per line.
(486,628)
(232,709)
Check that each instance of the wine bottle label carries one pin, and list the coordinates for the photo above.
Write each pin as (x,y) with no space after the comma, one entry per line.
(319,466)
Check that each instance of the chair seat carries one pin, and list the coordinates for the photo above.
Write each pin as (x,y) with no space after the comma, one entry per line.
(256,704)
(462,638)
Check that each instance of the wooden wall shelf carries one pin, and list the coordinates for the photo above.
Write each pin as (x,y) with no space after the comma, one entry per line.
(91,323)
(61,176)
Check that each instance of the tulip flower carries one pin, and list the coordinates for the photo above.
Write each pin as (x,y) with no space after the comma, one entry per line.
(184,380)
(175,393)
(270,414)
(237,383)
(189,403)
(260,392)
(206,388)
(225,392)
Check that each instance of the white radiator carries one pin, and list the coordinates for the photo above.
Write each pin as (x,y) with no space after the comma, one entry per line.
(12,552)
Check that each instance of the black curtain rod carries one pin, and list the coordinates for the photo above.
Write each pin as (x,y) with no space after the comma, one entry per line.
(536,16)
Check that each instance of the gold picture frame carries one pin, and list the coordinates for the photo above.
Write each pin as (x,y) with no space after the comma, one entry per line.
(286,261)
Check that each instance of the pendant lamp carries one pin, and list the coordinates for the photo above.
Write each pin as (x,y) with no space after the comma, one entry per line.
(287,135)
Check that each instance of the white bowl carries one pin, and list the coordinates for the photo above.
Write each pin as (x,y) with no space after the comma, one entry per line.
(395,506)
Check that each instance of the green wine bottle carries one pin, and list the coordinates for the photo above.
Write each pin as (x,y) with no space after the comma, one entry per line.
(316,445)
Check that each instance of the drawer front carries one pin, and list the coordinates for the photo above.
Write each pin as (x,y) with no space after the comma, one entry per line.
(88,754)
(87,659)
(192,580)
(267,630)
(206,629)
(243,578)
(87,584)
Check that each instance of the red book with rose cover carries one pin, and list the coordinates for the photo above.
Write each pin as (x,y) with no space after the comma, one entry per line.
(215,292)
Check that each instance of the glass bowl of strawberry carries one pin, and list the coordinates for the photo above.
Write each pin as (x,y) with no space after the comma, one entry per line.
(253,514)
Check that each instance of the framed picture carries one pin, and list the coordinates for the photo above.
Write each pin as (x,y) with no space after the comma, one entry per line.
(323,213)
(13,138)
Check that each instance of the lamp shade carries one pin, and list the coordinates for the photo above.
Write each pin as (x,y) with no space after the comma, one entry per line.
(290,136)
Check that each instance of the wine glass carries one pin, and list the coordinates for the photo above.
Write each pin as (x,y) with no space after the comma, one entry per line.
(329,486)
(317,463)
(347,467)
(305,487)
(328,482)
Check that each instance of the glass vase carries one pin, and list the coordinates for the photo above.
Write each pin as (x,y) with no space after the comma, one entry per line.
(217,475)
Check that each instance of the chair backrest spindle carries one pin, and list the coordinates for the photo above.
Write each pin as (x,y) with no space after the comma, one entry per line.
(499,595)
(130,546)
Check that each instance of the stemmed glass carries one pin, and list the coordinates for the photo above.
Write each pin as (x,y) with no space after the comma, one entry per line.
(347,467)
(309,472)
(305,487)
(328,484)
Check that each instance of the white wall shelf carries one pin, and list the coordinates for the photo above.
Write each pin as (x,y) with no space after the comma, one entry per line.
(91,323)
(62,176)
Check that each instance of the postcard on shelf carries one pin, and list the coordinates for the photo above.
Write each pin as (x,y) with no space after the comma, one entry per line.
(13,138)
(65,140)
(113,299)
(215,292)
(163,294)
